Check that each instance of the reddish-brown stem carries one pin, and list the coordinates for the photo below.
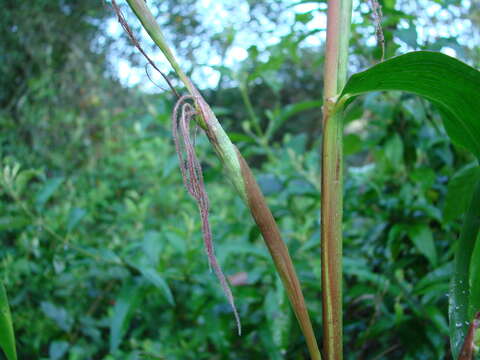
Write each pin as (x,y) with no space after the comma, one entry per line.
(467,351)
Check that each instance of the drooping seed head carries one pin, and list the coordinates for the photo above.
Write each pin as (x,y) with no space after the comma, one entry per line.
(183,114)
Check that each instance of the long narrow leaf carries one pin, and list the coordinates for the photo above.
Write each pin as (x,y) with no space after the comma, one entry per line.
(454,87)
(7,337)
(474,300)
(462,307)
(450,84)
(126,302)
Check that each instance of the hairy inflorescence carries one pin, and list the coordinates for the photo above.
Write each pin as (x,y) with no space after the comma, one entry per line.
(191,169)
(183,114)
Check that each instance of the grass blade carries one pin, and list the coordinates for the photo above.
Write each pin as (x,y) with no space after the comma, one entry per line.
(445,81)
(7,337)
(460,309)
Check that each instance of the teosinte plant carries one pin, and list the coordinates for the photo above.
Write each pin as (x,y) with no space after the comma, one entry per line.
(448,83)
(239,174)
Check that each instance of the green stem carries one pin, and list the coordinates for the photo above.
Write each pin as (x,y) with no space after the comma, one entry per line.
(459,312)
(338,34)
(149,23)
(331,233)
(248,104)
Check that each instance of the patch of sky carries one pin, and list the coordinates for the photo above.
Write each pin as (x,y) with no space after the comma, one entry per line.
(431,21)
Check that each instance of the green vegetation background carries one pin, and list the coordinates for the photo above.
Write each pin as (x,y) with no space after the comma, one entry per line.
(101,248)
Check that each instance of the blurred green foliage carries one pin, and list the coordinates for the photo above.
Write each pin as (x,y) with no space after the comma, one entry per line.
(101,249)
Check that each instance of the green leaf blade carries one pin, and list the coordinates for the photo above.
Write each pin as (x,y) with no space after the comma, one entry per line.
(463,296)
(47,191)
(7,337)
(447,82)
(460,189)
(474,301)
(454,88)
(422,238)
(125,304)
(156,279)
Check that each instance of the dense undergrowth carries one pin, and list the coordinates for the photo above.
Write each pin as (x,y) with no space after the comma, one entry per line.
(101,250)
(110,252)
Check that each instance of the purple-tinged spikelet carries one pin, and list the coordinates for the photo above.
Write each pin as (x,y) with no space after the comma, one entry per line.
(192,176)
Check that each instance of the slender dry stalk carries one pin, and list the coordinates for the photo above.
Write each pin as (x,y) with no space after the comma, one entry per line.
(239,174)
(268,227)
(133,39)
(377,19)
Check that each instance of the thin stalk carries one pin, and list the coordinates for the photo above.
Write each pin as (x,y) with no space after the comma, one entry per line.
(338,34)
(242,178)
(331,235)
(149,23)
(268,227)
(459,312)
(248,104)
